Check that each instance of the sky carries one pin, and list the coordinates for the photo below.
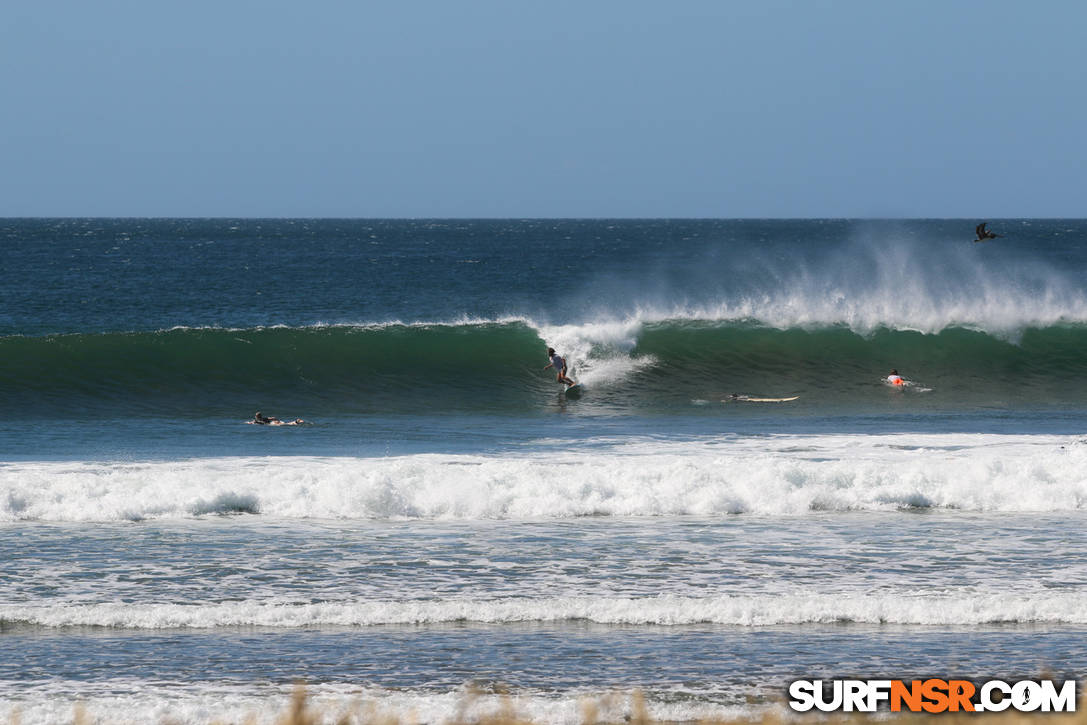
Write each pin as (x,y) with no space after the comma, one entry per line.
(501,108)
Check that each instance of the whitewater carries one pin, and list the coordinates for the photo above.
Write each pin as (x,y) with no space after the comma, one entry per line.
(768,475)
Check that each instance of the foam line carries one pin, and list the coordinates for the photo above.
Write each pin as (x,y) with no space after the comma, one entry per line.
(973,608)
(784,475)
(205,704)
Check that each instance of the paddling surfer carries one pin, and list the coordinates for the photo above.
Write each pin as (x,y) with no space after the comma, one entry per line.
(259,419)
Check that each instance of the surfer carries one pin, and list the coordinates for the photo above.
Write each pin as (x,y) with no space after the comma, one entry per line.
(895,379)
(560,366)
(984,234)
(259,419)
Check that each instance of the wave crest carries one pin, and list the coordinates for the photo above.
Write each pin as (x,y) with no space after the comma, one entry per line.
(664,610)
(635,363)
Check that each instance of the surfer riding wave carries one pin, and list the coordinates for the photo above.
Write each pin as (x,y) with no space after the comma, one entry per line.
(559,364)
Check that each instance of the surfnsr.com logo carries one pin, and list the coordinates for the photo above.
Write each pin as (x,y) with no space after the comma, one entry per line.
(932,695)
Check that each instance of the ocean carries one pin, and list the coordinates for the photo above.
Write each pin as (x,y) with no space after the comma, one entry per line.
(449,533)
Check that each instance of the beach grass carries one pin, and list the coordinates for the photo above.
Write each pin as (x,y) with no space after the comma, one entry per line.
(636,712)
(605,709)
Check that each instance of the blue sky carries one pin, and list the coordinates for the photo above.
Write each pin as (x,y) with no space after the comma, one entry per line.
(973,108)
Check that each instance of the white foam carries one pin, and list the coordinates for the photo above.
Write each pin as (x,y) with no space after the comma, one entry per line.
(780,475)
(757,610)
(147,702)
(599,352)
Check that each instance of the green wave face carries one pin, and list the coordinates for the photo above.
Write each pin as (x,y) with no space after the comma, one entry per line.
(498,366)
(957,364)
(216,371)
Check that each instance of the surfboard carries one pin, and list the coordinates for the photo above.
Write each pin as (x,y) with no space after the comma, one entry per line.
(747,399)
(574,391)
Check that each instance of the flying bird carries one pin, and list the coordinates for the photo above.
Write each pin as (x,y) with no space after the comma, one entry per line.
(984,234)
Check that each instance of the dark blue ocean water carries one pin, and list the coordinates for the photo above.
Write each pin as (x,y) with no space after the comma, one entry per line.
(448,517)
(389,327)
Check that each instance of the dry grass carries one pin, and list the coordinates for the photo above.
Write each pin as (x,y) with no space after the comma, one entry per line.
(301,712)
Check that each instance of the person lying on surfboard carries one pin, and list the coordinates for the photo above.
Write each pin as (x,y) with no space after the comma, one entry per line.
(560,365)
(895,379)
(259,419)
